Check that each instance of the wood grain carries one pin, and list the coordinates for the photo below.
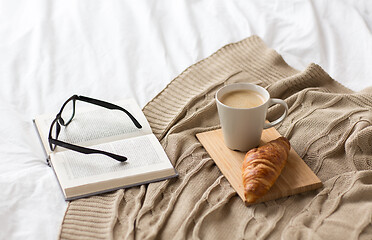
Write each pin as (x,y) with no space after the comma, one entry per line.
(295,178)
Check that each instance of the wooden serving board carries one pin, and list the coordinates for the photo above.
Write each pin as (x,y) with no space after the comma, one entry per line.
(296,177)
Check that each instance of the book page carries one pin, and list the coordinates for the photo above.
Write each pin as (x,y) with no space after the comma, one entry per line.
(144,153)
(93,124)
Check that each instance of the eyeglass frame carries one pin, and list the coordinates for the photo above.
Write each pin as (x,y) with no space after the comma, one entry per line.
(60,121)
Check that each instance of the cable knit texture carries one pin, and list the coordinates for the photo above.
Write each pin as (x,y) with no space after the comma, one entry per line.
(328,125)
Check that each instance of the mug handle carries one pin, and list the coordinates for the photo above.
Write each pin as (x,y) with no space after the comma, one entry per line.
(273,101)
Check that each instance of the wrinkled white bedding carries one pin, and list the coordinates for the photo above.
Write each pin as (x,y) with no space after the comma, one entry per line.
(50,50)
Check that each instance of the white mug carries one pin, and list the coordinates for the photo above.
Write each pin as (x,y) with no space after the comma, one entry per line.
(242,127)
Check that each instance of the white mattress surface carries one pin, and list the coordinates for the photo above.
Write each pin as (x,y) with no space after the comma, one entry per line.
(50,50)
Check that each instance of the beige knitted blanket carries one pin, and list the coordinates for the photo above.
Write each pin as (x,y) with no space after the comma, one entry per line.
(328,125)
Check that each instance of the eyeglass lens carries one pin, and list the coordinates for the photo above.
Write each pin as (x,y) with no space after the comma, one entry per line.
(54,132)
(68,112)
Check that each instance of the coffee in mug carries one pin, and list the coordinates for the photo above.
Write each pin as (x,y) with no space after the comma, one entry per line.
(242,98)
(242,109)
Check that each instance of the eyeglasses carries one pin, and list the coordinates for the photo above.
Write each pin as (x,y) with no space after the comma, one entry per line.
(65,117)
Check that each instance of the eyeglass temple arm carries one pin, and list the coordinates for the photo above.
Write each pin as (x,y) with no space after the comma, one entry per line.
(86,150)
(109,106)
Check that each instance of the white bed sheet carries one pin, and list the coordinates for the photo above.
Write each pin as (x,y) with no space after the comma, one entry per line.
(50,50)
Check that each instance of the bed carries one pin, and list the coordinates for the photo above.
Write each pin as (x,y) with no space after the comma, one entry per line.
(111,50)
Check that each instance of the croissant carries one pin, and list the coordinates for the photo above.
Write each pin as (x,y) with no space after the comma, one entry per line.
(262,166)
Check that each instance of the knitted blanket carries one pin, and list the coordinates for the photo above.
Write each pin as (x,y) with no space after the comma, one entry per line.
(328,125)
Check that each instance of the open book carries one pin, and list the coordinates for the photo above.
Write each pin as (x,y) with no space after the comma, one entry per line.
(81,175)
